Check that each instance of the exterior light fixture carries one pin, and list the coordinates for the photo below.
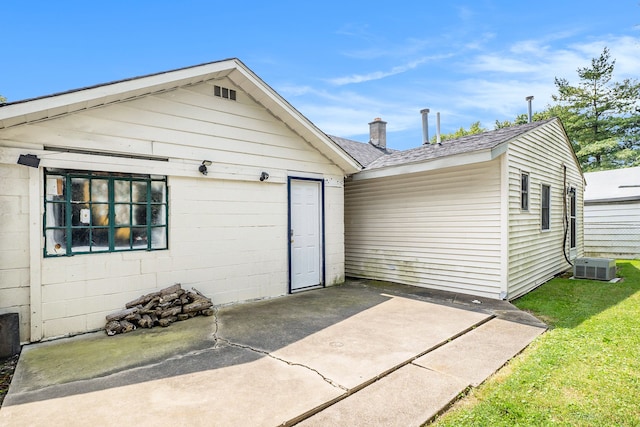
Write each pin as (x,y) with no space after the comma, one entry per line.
(30,160)
(264,176)
(203,167)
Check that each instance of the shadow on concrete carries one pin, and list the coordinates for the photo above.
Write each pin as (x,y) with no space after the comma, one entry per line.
(236,334)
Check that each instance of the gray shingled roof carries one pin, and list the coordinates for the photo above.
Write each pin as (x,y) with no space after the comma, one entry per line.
(364,153)
(374,158)
(465,144)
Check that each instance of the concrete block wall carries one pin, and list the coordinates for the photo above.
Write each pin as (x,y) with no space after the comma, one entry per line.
(228,239)
(14,244)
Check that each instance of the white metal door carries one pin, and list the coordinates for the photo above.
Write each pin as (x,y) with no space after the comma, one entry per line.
(305,233)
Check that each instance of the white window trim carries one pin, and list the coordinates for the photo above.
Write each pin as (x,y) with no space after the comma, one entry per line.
(542,185)
(528,193)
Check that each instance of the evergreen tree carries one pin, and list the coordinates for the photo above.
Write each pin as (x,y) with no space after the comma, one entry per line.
(601,117)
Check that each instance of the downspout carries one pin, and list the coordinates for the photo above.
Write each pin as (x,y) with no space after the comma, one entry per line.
(504,226)
(565,212)
(35,254)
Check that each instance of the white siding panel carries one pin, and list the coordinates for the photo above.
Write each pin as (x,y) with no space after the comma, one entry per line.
(438,229)
(612,230)
(535,255)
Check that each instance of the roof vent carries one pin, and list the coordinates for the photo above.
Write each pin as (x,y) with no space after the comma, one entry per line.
(223,92)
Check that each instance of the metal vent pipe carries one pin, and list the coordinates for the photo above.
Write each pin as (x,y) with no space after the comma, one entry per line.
(425,126)
(529,115)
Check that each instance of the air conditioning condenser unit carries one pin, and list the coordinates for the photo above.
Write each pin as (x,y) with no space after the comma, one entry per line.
(594,268)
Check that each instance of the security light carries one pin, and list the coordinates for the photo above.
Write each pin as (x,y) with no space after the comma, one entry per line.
(203,167)
(30,160)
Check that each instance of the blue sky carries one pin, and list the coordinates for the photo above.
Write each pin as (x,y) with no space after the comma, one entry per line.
(341,64)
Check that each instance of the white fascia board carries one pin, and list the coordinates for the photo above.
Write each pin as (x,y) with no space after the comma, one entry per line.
(438,163)
(41,108)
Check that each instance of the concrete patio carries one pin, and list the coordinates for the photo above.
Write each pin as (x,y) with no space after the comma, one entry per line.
(362,353)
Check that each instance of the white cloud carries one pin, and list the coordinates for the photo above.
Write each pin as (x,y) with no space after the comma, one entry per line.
(496,63)
(625,50)
(481,86)
(377,75)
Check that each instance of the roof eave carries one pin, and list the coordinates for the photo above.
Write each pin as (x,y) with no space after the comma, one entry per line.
(461,159)
(69,102)
(626,199)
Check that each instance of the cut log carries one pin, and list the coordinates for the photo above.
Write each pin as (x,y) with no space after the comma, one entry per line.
(197,305)
(170,289)
(152,302)
(142,300)
(197,292)
(145,321)
(171,312)
(207,312)
(169,297)
(133,317)
(127,326)
(121,314)
(167,321)
(113,327)
(183,316)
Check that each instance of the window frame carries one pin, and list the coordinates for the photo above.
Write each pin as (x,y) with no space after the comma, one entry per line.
(524,192)
(545,211)
(131,219)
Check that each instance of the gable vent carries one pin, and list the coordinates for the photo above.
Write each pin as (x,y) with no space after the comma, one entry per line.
(225,93)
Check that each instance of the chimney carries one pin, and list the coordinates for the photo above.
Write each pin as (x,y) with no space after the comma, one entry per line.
(425,126)
(378,133)
(438,127)
(529,99)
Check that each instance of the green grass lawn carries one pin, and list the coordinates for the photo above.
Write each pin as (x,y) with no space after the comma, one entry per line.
(584,371)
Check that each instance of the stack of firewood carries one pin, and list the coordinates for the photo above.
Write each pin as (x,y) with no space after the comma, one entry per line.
(159,308)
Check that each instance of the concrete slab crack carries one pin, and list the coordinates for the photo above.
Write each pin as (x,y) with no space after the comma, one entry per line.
(266,353)
(218,340)
(216,326)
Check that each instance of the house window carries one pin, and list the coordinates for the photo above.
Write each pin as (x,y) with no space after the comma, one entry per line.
(572,216)
(524,192)
(89,212)
(546,206)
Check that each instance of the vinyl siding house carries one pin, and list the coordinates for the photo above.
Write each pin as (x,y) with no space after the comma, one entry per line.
(483,214)
(612,213)
(202,176)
